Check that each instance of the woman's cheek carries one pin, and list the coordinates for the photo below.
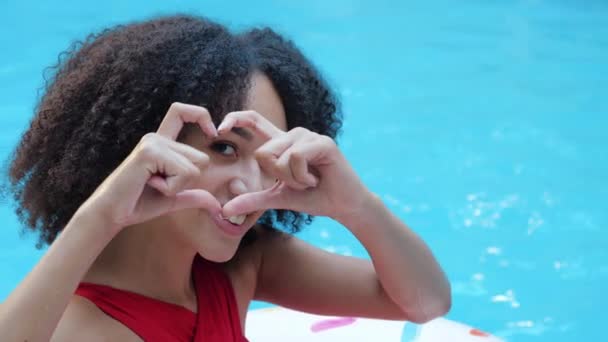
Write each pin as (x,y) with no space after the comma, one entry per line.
(220,173)
(212,177)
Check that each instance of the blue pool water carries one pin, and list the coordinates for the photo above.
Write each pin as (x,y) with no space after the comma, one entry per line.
(480,123)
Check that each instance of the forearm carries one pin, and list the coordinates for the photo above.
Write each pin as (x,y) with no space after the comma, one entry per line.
(34,308)
(405,266)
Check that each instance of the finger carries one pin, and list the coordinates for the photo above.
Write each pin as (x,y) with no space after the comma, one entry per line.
(299,164)
(196,198)
(180,113)
(268,154)
(255,201)
(197,157)
(275,158)
(252,120)
(283,167)
(173,173)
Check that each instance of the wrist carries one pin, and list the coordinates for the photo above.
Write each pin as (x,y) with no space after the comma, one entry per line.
(354,215)
(95,221)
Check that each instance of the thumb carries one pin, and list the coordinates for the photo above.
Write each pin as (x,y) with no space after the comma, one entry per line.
(195,198)
(271,198)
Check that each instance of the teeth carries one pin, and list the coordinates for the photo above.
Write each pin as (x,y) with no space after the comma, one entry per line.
(238,220)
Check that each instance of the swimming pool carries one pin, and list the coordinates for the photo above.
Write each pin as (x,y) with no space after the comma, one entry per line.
(481,125)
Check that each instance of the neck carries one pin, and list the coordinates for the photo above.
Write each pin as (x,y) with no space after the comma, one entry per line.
(150,260)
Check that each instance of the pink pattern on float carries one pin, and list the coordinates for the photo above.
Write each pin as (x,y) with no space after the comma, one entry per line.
(332,324)
(477,332)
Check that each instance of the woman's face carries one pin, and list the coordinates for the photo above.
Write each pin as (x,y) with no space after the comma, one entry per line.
(232,170)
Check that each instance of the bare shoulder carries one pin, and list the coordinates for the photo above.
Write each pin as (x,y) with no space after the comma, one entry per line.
(83,321)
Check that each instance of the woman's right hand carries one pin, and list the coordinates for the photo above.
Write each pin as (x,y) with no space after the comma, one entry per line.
(154,179)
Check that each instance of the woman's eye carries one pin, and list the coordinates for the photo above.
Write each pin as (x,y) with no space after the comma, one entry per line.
(224,149)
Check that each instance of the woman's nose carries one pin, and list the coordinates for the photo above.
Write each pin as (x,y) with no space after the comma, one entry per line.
(250,178)
(238,187)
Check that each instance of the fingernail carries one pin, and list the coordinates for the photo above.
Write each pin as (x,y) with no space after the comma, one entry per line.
(213,130)
(222,127)
(313,181)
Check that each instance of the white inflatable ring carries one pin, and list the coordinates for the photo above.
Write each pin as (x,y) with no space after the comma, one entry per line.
(281,324)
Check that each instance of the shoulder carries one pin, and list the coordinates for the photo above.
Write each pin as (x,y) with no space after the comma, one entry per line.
(83,321)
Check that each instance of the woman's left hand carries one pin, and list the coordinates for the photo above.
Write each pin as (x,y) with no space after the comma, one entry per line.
(313,176)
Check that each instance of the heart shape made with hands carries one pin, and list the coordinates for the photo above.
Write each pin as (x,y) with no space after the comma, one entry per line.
(284,155)
(312,175)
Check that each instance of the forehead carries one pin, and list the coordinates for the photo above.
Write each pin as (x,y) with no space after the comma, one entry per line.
(264,99)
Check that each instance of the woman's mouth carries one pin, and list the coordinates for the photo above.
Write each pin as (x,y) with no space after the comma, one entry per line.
(238,220)
(232,226)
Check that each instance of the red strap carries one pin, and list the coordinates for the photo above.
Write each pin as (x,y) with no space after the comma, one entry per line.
(220,321)
(150,319)
(154,320)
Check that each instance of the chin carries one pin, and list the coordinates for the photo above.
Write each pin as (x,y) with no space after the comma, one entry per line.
(214,245)
(218,249)
(219,252)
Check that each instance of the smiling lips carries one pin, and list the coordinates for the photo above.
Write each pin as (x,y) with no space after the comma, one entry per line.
(238,220)
(233,226)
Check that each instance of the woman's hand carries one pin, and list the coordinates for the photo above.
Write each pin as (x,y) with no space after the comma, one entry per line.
(312,174)
(154,179)
(314,177)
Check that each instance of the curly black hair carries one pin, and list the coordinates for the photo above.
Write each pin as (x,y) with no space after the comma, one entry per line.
(115,86)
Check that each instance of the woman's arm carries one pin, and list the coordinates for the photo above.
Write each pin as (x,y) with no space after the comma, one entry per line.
(405,266)
(34,308)
(314,177)
(403,281)
(130,195)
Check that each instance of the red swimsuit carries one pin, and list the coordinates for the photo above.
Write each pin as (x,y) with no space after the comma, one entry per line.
(217,319)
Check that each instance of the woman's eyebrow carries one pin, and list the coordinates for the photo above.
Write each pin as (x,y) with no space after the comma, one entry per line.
(243,133)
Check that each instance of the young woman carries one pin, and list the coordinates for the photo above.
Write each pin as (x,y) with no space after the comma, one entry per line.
(160,158)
